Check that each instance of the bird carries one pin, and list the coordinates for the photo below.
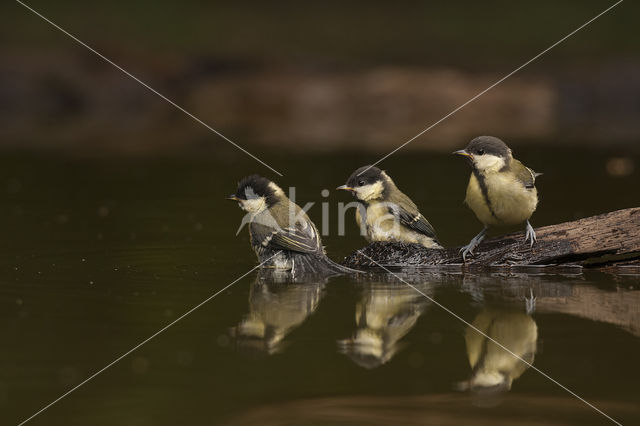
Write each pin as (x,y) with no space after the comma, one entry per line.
(501,190)
(386,213)
(281,233)
(493,369)
(277,306)
(384,314)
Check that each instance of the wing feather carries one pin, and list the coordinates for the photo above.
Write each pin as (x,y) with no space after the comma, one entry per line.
(300,237)
(415,221)
(296,239)
(525,175)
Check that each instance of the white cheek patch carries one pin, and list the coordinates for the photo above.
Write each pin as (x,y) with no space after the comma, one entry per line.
(370,192)
(254,205)
(488,162)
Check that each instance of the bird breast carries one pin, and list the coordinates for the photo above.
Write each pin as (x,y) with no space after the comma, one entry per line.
(381,225)
(503,201)
(378,221)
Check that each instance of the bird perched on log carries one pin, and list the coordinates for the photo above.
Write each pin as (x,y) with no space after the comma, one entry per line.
(387,214)
(501,189)
(281,233)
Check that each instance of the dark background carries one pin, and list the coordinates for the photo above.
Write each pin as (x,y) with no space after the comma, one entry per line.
(316,76)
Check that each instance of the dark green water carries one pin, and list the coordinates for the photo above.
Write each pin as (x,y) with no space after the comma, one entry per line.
(97,255)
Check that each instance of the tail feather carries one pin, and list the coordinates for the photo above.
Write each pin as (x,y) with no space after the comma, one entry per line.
(318,264)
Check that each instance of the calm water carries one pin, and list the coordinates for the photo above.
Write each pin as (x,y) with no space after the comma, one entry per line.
(95,256)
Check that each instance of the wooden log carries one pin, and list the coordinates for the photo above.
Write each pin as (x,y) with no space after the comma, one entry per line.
(601,240)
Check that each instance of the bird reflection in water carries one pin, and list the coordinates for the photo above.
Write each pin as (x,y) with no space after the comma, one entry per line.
(493,369)
(385,313)
(278,304)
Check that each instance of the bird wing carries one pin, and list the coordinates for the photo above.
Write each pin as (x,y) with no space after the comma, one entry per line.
(410,217)
(301,238)
(525,175)
(275,231)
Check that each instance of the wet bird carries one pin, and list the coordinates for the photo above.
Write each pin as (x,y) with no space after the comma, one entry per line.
(501,189)
(280,231)
(386,213)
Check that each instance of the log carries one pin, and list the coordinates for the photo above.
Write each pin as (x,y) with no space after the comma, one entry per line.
(597,241)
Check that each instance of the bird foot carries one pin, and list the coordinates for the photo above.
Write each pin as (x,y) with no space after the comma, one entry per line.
(530,235)
(468,249)
(530,302)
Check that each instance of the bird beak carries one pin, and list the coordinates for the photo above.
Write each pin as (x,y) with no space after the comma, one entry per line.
(232,198)
(463,152)
(345,188)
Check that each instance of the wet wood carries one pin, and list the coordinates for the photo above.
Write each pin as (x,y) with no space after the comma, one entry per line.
(602,240)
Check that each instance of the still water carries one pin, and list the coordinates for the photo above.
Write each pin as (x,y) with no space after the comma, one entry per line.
(97,255)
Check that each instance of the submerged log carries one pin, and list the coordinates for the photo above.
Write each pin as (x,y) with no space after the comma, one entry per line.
(602,240)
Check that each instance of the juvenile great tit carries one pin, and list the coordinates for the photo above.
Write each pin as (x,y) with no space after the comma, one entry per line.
(501,189)
(493,369)
(388,214)
(384,315)
(277,225)
(276,308)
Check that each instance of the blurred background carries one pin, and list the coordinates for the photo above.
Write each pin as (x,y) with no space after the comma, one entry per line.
(363,76)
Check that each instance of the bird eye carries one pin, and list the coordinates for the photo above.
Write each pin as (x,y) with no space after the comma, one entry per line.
(361,183)
(481,152)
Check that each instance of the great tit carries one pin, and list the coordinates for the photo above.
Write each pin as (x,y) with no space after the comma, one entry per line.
(387,214)
(493,369)
(276,308)
(501,189)
(281,233)
(384,315)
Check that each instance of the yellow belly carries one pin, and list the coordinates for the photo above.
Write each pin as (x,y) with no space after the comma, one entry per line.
(511,202)
(380,225)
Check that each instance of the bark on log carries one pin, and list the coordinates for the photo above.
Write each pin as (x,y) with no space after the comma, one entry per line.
(603,240)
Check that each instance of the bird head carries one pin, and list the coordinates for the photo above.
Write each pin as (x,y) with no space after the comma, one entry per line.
(486,153)
(256,193)
(367,183)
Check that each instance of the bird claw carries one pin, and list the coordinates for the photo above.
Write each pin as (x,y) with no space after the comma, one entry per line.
(530,302)
(530,235)
(468,249)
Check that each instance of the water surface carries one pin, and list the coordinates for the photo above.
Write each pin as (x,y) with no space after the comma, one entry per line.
(97,255)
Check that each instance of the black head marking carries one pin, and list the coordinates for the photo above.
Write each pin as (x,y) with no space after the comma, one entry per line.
(365,175)
(488,145)
(256,186)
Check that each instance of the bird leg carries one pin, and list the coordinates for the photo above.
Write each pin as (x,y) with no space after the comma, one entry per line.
(530,302)
(468,249)
(531,234)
